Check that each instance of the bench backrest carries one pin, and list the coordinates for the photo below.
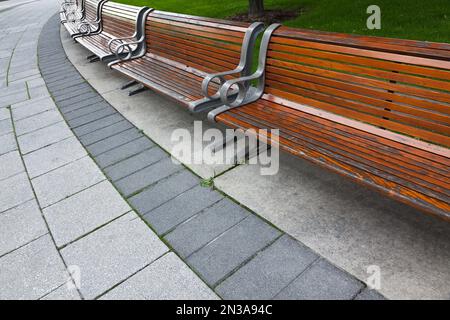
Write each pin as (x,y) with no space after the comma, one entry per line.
(399,85)
(90,9)
(206,44)
(119,20)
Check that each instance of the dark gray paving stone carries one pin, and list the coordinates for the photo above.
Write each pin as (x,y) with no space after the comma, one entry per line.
(63,91)
(86,110)
(75,97)
(322,281)
(204,227)
(163,191)
(181,208)
(82,104)
(134,163)
(269,272)
(74,123)
(147,176)
(123,152)
(63,77)
(98,124)
(78,99)
(105,132)
(369,294)
(64,84)
(219,258)
(114,141)
(60,96)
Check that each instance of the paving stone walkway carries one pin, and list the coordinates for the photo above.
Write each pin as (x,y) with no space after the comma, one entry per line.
(81,186)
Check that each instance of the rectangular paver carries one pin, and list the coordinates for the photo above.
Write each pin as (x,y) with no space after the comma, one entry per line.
(206,226)
(31,107)
(114,141)
(90,117)
(31,271)
(37,121)
(220,257)
(10,164)
(113,253)
(322,281)
(163,191)
(7,143)
(66,181)
(20,225)
(123,152)
(105,132)
(147,176)
(43,137)
(14,191)
(269,272)
(182,207)
(5,126)
(83,212)
(53,156)
(168,278)
(134,163)
(98,124)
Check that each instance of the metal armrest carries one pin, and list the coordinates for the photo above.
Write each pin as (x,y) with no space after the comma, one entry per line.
(85,27)
(244,64)
(120,40)
(246,92)
(125,48)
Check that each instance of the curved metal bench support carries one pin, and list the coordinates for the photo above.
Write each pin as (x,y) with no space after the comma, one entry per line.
(246,92)
(243,68)
(124,50)
(88,27)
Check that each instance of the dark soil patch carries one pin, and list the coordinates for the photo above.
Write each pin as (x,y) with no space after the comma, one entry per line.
(270,16)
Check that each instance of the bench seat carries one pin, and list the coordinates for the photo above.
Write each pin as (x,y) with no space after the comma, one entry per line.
(182,50)
(364,107)
(173,81)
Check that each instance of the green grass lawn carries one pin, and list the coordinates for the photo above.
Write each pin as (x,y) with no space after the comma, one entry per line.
(408,19)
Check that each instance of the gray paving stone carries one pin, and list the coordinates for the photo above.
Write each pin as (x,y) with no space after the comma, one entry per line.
(168,278)
(134,163)
(36,83)
(7,143)
(31,271)
(163,191)
(37,121)
(4,114)
(98,124)
(71,95)
(72,115)
(5,126)
(31,107)
(113,253)
(147,176)
(43,137)
(38,92)
(14,191)
(20,225)
(219,258)
(181,208)
(13,98)
(63,293)
(105,132)
(269,272)
(206,226)
(53,156)
(83,212)
(368,294)
(322,281)
(78,99)
(123,152)
(10,164)
(66,181)
(114,141)
(91,117)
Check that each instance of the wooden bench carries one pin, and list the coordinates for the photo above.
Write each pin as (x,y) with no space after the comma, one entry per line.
(89,19)
(120,23)
(375,110)
(182,50)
